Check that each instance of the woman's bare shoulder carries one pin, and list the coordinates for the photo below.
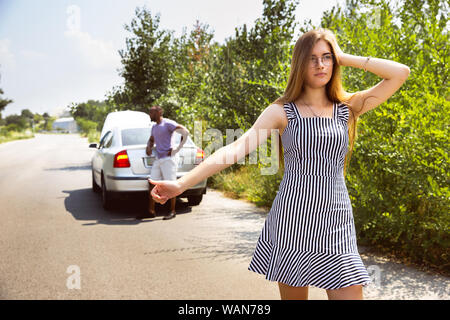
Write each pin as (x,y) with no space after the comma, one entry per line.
(273,116)
(276,110)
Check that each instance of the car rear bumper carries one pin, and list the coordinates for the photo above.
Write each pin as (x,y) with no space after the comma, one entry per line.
(140,184)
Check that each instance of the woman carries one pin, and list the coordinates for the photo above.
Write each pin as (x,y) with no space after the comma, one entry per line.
(308,238)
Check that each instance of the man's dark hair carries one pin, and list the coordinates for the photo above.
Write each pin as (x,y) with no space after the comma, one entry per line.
(158,108)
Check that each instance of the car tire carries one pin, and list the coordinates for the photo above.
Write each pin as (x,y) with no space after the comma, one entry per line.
(195,200)
(106,196)
(95,186)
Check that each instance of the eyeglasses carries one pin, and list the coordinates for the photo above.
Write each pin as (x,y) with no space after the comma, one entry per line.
(327,60)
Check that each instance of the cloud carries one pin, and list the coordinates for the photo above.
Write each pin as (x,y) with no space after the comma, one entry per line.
(95,53)
(32,55)
(7,59)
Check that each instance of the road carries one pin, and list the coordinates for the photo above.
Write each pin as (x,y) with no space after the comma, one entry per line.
(52,222)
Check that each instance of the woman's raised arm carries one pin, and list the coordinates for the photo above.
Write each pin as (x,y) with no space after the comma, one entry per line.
(270,119)
(394,74)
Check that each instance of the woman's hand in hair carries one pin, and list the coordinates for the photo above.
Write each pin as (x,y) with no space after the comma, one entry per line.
(338,52)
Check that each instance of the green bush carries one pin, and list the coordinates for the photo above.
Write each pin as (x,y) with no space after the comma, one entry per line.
(399,177)
(5,132)
(13,127)
(93,136)
(86,125)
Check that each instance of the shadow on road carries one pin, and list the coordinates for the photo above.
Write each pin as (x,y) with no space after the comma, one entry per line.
(75,167)
(222,234)
(86,205)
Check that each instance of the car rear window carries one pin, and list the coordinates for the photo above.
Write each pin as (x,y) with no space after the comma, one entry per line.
(135,136)
(141,135)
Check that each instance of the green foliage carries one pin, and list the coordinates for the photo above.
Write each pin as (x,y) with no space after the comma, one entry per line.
(89,113)
(10,134)
(93,136)
(399,173)
(228,85)
(3,102)
(186,99)
(248,181)
(145,61)
(86,125)
(248,65)
(11,127)
(20,123)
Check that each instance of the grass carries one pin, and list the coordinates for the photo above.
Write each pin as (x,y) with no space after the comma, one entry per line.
(15,135)
(92,136)
(246,183)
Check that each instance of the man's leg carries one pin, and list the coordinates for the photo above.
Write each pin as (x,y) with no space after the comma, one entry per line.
(155,174)
(169,172)
(151,205)
(172,204)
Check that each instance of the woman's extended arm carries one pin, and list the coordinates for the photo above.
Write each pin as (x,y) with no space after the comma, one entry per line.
(270,119)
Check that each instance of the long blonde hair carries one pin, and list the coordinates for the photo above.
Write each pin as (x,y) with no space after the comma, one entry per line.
(334,90)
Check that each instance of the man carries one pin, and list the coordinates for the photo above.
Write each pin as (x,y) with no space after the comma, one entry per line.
(165,166)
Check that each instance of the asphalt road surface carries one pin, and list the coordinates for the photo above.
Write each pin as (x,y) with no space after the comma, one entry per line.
(57,242)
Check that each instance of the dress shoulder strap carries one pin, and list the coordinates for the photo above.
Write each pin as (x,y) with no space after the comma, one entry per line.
(342,111)
(290,112)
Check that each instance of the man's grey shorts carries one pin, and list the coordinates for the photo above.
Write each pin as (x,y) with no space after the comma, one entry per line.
(165,168)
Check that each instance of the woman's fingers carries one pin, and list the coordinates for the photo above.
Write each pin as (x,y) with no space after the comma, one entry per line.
(159,199)
(156,193)
(164,190)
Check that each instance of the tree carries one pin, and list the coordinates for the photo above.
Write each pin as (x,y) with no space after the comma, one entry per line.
(19,122)
(251,68)
(92,110)
(3,102)
(188,98)
(146,63)
(28,116)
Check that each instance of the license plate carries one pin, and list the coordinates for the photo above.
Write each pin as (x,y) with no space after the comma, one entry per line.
(150,160)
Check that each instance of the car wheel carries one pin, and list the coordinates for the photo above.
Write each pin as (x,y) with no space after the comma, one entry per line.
(106,196)
(195,200)
(95,186)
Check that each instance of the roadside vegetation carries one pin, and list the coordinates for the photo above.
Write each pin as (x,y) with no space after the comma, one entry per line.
(399,175)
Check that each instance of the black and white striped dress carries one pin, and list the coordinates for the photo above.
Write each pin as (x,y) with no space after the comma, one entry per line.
(309,238)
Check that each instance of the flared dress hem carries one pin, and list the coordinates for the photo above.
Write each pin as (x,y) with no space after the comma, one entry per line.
(303,268)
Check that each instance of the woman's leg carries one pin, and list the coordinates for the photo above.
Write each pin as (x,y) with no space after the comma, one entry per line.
(292,293)
(354,292)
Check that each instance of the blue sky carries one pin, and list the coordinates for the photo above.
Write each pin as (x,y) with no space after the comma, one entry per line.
(55,52)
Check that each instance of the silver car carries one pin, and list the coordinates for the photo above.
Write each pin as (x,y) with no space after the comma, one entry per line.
(120,164)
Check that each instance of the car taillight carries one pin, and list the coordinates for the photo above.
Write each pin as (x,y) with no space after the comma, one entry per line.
(199,156)
(121,160)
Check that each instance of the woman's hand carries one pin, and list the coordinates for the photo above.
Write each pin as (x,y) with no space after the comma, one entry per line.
(165,190)
(338,52)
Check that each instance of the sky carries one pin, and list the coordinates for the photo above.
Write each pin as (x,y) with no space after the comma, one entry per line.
(57,52)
